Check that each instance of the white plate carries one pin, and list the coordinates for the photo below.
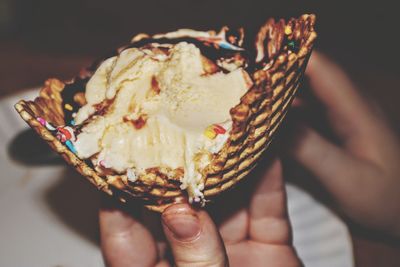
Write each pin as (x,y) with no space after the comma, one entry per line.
(49,215)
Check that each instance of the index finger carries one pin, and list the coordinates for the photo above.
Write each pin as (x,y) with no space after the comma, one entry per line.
(124,240)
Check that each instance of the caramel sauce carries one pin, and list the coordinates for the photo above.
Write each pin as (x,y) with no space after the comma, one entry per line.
(155,87)
(102,107)
(138,123)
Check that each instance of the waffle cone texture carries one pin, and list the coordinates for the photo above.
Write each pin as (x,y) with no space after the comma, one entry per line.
(255,121)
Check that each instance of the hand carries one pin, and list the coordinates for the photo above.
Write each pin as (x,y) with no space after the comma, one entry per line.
(129,240)
(253,220)
(362,170)
(256,233)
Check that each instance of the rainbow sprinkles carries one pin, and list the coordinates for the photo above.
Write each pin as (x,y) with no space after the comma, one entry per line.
(65,134)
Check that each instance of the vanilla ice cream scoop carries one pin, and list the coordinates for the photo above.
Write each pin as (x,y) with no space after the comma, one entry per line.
(159,106)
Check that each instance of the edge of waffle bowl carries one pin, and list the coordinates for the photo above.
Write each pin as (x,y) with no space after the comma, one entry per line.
(255,121)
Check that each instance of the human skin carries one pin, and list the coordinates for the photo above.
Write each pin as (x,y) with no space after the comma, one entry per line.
(360,170)
(256,232)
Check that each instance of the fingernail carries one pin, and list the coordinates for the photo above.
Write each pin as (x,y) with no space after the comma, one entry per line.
(182,221)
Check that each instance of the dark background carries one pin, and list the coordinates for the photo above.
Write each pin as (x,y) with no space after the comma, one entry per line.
(44,38)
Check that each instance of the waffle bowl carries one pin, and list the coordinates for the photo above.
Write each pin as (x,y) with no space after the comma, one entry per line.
(281,53)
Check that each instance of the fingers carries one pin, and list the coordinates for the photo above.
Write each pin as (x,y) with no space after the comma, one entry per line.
(230,214)
(234,228)
(335,90)
(193,237)
(269,221)
(124,240)
(349,114)
(324,159)
(342,174)
(269,224)
(163,263)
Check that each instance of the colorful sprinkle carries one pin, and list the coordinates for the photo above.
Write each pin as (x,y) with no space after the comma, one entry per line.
(219,129)
(46,124)
(288,30)
(213,130)
(292,45)
(41,121)
(70,146)
(226,45)
(220,40)
(102,163)
(65,133)
(72,122)
(68,107)
(210,133)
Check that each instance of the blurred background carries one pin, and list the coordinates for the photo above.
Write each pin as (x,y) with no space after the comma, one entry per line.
(46,38)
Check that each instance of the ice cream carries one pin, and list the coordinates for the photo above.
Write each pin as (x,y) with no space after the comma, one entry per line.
(190,109)
(160,106)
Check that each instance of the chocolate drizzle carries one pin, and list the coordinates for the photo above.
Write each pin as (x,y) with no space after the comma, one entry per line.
(138,123)
(102,107)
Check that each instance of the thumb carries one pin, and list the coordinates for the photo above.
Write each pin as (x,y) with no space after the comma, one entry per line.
(193,237)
